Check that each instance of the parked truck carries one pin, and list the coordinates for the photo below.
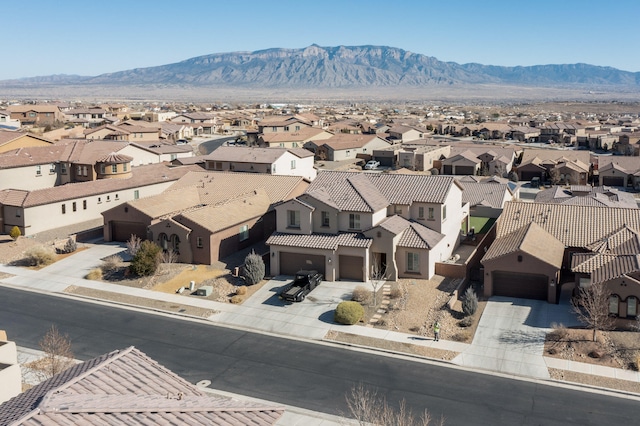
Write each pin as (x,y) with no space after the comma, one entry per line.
(304,282)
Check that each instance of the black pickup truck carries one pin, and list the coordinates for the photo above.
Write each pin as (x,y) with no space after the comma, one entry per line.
(302,285)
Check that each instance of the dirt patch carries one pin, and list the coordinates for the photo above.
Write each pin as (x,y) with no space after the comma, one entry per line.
(407,348)
(599,381)
(140,301)
(616,349)
(10,250)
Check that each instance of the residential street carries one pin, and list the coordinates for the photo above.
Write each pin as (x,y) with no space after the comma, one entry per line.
(307,375)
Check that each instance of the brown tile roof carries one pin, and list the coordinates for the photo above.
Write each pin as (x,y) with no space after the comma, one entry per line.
(141,176)
(531,239)
(253,155)
(491,195)
(319,241)
(7,136)
(555,155)
(224,215)
(127,387)
(33,155)
(342,141)
(574,226)
(412,234)
(158,147)
(303,134)
(168,202)
(114,158)
(215,187)
(621,241)
(605,267)
(585,195)
(396,188)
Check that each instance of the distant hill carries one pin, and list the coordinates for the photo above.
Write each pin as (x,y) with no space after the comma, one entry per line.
(351,67)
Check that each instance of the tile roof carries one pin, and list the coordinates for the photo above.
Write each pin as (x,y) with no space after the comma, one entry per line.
(492,195)
(7,136)
(585,195)
(303,134)
(253,155)
(396,188)
(555,155)
(605,267)
(341,141)
(320,241)
(412,234)
(127,387)
(465,156)
(32,155)
(531,239)
(141,176)
(621,241)
(574,226)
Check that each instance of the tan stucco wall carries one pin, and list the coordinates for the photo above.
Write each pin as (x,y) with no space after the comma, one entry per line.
(23,142)
(26,178)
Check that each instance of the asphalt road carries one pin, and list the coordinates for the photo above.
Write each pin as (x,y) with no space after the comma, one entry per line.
(303,374)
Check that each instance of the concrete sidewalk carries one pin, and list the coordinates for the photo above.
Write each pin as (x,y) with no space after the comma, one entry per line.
(509,338)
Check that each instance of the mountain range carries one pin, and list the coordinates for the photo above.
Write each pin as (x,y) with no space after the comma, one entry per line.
(340,67)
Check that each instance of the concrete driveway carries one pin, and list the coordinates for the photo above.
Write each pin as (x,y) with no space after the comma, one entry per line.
(511,333)
(311,318)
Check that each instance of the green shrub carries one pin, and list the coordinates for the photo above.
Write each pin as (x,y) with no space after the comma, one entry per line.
(470,302)
(241,290)
(94,274)
(348,313)
(146,260)
(15,233)
(361,294)
(253,269)
(237,299)
(39,256)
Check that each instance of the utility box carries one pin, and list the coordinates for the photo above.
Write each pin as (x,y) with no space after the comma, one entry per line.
(205,290)
(192,285)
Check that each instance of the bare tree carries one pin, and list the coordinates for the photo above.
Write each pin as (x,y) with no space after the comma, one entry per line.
(378,276)
(370,409)
(554,175)
(133,244)
(58,355)
(169,257)
(592,308)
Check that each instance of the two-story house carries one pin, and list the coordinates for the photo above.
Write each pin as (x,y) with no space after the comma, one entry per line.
(36,115)
(274,161)
(350,225)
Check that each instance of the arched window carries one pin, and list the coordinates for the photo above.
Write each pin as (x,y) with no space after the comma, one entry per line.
(175,243)
(614,300)
(162,240)
(632,306)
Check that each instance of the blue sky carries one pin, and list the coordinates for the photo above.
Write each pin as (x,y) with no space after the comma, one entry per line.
(43,37)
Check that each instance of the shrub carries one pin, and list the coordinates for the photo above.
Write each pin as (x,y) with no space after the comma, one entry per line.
(133,244)
(636,363)
(462,336)
(558,332)
(39,256)
(396,293)
(111,263)
(348,313)
(147,258)
(237,299)
(253,269)
(470,302)
(94,274)
(241,290)
(361,294)
(15,233)
(466,321)
(70,246)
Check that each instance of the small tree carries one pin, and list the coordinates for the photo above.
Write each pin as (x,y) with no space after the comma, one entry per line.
(169,257)
(378,276)
(592,308)
(513,176)
(15,233)
(146,260)
(253,269)
(133,244)
(469,302)
(58,355)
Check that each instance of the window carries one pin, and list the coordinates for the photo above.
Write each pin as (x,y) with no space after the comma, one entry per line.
(73,206)
(199,242)
(413,262)
(274,129)
(136,194)
(430,213)
(102,171)
(117,197)
(632,306)
(99,200)
(108,198)
(32,114)
(293,218)
(18,212)
(354,221)
(38,170)
(64,209)
(325,219)
(84,204)
(84,170)
(297,128)
(286,128)
(244,232)
(125,167)
(52,168)
(79,170)
(397,209)
(420,212)
(217,165)
(63,168)
(114,168)
(444,212)
(613,304)
(173,157)
(293,164)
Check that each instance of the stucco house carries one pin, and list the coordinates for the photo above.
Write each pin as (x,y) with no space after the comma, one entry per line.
(619,171)
(296,139)
(350,225)
(36,115)
(205,216)
(465,163)
(10,140)
(274,161)
(344,146)
(538,244)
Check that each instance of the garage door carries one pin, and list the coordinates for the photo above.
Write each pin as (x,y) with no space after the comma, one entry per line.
(526,176)
(351,268)
(290,263)
(121,231)
(612,180)
(526,286)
